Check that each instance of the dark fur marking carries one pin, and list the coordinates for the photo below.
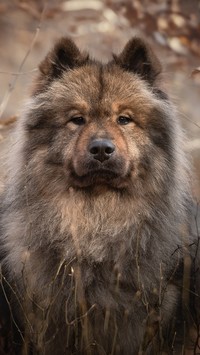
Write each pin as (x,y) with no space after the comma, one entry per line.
(137,57)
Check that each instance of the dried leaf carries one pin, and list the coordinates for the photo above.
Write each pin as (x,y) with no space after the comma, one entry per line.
(162,23)
(178,20)
(195,75)
(176,44)
(160,38)
(76,5)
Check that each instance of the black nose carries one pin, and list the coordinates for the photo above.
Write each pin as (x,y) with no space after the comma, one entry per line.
(101,149)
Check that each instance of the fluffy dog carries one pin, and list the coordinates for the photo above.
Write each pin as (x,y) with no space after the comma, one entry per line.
(94,221)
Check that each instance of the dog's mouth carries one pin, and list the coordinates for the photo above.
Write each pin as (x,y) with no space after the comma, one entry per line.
(98,177)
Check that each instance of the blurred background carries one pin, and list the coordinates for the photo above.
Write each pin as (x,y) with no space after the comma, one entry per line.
(28,28)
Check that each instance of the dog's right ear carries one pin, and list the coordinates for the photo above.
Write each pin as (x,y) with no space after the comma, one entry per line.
(64,56)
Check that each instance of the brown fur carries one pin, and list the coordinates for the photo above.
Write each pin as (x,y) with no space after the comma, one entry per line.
(94,250)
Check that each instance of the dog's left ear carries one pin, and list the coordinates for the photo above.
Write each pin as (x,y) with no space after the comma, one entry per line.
(138,57)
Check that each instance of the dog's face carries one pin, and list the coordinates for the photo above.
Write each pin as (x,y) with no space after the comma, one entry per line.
(100,125)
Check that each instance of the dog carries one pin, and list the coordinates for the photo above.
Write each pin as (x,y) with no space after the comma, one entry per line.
(95,238)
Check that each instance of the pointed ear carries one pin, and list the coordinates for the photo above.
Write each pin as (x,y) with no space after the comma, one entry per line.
(65,55)
(138,57)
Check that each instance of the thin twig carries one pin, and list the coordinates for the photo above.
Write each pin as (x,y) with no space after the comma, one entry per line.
(12,84)
(19,73)
(10,308)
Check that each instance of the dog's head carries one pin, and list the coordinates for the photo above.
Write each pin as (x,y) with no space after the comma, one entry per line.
(93,124)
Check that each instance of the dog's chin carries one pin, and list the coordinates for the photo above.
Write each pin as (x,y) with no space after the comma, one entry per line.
(99,180)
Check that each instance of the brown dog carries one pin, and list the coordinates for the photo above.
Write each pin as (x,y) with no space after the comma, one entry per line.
(95,214)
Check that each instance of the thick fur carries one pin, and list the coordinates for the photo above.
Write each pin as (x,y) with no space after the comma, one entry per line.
(94,252)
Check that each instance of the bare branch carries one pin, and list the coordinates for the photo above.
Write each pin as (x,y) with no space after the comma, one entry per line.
(12,84)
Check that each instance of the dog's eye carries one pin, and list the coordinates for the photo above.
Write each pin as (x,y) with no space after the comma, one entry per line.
(124,120)
(79,120)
